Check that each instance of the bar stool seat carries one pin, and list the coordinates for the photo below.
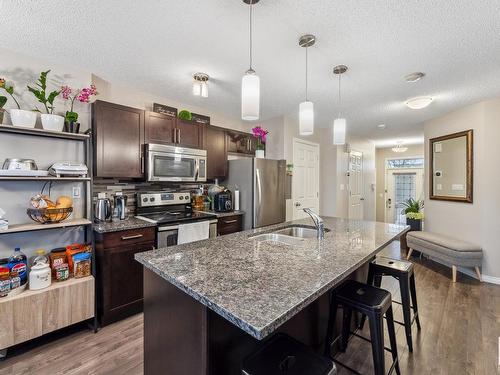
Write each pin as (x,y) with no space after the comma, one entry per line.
(374,303)
(403,272)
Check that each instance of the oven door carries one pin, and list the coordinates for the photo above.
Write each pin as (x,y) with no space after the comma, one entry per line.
(167,236)
(172,167)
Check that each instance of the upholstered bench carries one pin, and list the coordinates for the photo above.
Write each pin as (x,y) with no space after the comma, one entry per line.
(449,250)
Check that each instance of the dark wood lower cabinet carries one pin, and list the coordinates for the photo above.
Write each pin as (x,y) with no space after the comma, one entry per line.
(119,275)
(229,224)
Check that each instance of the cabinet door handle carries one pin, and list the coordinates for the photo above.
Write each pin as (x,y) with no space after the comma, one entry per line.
(230,221)
(142,164)
(174,135)
(178,135)
(124,238)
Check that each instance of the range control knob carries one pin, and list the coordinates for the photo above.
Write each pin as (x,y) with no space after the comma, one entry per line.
(144,199)
(152,199)
(181,197)
(187,197)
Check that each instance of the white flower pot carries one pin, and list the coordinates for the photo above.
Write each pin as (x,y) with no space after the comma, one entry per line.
(21,117)
(52,122)
(260,154)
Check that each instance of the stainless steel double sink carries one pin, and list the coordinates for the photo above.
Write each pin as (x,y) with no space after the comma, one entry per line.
(291,235)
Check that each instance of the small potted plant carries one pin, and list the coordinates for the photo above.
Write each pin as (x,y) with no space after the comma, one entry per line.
(83,96)
(50,121)
(18,116)
(260,134)
(185,115)
(414,215)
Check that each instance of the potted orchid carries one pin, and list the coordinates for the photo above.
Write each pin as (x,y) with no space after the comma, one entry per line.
(50,121)
(260,134)
(18,116)
(83,96)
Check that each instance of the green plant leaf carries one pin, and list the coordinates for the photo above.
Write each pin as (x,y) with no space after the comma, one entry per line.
(52,96)
(10,89)
(3,100)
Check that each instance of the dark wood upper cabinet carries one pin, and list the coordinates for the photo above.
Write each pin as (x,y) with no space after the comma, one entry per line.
(215,144)
(240,142)
(189,134)
(159,128)
(118,139)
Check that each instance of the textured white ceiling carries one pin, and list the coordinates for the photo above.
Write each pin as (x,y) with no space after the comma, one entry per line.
(157,46)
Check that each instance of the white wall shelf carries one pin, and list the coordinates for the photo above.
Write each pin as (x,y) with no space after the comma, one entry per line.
(29,227)
(43,178)
(43,133)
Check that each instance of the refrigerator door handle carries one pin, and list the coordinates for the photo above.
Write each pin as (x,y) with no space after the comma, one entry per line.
(259,193)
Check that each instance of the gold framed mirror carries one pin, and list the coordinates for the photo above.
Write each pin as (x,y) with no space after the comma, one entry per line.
(451,167)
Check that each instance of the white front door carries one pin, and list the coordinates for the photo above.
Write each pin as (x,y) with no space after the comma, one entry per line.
(401,185)
(355,182)
(305,186)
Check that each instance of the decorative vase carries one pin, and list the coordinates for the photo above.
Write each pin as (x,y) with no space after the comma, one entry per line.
(72,127)
(21,117)
(260,154)
(52,122)
(415,224)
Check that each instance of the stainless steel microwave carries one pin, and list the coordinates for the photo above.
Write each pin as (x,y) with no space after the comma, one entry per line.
(172,163)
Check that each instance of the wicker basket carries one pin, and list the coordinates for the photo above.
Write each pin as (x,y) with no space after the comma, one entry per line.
(49,215)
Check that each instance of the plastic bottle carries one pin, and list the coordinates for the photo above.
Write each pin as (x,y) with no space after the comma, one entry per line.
(18,263)
(40,257)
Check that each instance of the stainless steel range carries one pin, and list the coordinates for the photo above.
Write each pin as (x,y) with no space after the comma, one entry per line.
(170,211)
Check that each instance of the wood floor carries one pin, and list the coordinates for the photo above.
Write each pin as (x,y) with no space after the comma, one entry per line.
(460,333)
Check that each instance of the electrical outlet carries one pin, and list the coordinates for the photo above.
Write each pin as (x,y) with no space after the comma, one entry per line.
(76,192)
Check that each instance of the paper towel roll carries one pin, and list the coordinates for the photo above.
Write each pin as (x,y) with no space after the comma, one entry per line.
(236,200)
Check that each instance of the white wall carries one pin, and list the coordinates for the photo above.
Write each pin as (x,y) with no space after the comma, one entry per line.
(478,222)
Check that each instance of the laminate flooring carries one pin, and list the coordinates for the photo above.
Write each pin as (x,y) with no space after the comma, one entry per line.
(460,335)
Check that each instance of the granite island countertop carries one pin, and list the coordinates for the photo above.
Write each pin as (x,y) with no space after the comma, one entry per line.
(260,285)
(119,225)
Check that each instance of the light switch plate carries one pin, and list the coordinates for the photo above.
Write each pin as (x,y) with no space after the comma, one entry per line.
(76,192)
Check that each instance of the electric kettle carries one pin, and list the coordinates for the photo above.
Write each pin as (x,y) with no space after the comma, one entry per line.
(102,209)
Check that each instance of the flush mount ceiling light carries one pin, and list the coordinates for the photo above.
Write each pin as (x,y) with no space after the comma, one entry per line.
(419,102)
(306,108)
(399,148)
(339,124)
(250,83)
(381,126)
(200,86)
(414,77)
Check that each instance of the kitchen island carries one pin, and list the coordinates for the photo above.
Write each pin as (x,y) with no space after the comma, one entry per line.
(209,304)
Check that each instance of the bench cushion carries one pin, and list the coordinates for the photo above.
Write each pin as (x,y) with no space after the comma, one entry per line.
(444,241)
(447,249)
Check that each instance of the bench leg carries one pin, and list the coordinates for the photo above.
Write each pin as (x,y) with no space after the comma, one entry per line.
(478,273)
(454,273)
(410,250)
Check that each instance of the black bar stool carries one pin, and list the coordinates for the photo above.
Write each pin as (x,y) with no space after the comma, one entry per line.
(374,303)
(403,271)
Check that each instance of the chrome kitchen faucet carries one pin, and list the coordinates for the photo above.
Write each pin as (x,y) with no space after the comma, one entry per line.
(318,222)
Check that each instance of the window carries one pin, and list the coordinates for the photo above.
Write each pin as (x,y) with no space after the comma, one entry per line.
(405,163)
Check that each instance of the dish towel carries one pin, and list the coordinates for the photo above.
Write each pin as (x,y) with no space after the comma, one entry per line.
(193,232)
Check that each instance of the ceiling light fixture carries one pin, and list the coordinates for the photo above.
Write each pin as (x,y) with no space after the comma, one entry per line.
(419,102)
(414,77)
(200,86)
(250,83)
(381,126)
(339,124)
(306,108)
(399,148)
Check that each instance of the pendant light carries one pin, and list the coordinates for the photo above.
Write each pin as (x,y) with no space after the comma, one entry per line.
(339,124)
(306,108)
(250,83)
(200,86)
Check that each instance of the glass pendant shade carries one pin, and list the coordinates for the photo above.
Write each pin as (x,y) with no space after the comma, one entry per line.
(250,96)
(196,88)
(204,90)
(306,118)
(339,130)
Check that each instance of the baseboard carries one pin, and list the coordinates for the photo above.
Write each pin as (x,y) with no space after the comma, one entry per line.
(470,272)
(486,278)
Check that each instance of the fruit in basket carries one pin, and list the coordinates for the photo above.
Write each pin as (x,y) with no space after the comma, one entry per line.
(64,202)
(42,201)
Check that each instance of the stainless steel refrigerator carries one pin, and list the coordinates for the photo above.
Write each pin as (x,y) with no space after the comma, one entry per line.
(261,183)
